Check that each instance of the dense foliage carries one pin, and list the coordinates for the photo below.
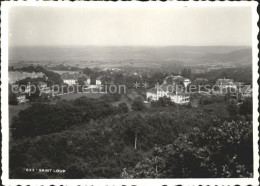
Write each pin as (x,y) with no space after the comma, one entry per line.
(40,119)
(12,100)
(223,151)
(138,104)
(89,138)
(64,68)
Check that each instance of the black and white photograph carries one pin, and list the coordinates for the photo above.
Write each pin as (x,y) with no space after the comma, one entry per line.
(129,93)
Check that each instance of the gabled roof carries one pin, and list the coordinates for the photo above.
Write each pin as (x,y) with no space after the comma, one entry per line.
(224,82)
(246,89)
(239,83)
(152,90)
(187,80)
(172,88)
(175,78)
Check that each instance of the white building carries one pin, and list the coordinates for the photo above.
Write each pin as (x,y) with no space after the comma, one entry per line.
(98,81)
(186,82)
(228,84)
(70,81)
(170,88)
(72,78)
(21,98)
(246,91)
(88,81)
(225,83)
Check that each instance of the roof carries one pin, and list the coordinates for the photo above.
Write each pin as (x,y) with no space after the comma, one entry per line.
(224,81)
(246,89)
(179,93)
(170,85)
(152,90)
(176,78)
(239,83)
(172,88)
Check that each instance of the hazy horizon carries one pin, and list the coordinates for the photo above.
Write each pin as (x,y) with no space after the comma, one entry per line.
(128,26)
(120,53)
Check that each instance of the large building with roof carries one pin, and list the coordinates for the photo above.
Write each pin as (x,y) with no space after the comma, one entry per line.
(98,81)
(246,91)
(72,79)
(21,98)
(173,88)
(225,84)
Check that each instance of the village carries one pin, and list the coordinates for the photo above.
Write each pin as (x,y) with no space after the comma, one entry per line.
(144,94)
(179,89)
(77,109)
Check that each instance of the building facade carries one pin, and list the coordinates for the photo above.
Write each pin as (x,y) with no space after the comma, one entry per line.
(70,81)
(246,91)
(225,85)
(21,98)
(98,81)
(171,89)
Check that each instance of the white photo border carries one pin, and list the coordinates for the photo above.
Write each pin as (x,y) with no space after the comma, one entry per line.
(102,4)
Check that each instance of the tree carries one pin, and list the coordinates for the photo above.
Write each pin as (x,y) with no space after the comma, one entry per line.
(122,108)
(186,72)
(246,108)
(137,126)
(12,100)
(152,165)
(87,71)
(81,81)
(156,78)
(219,152)
(232,108)
(164,101)
(138,104)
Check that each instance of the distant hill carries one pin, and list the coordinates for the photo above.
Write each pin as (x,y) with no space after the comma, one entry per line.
(127,54)
(243,56)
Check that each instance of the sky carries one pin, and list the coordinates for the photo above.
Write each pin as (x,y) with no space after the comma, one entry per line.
(69,26)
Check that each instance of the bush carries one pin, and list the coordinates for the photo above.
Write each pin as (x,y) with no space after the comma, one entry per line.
(138,104)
